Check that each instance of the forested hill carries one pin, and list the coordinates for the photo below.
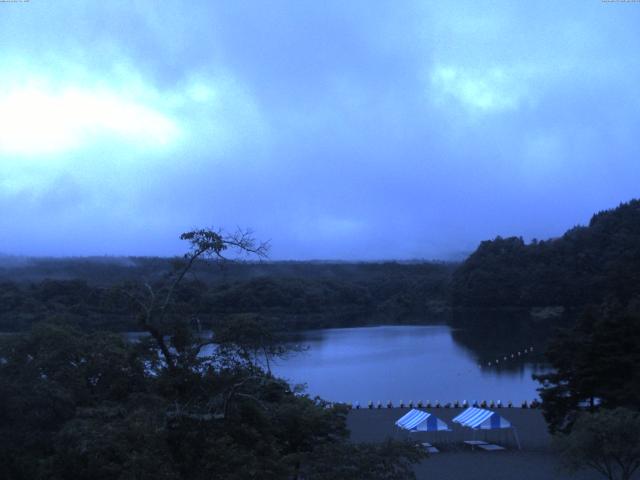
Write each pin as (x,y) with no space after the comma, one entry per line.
(89,291)
(587,265)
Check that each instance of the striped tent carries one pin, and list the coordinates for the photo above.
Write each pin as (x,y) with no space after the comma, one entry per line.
(481,419)
(419,421)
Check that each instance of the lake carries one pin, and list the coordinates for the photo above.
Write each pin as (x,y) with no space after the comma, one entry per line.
(434,363)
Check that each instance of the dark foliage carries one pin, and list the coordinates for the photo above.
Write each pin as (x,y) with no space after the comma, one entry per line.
(290,296)
(607,441)
(596,365)
(178,404)
(587,265)
(364,461)
(75,405)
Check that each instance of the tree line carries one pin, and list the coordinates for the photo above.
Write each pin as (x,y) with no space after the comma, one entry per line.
(323,297)
(586,266)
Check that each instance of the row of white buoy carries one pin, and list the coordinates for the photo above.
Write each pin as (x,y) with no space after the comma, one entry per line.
(506,358)
(437,404)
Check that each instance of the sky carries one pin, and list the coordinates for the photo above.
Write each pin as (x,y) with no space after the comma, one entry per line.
(351,130)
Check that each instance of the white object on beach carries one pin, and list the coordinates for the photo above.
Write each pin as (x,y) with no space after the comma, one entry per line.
(483,419)
(490,447)
(430,448)
(419,421)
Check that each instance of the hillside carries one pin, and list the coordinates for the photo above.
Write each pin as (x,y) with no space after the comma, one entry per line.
(297,294)
(587,265)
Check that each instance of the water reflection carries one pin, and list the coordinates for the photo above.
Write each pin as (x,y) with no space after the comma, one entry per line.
(435,363)
(495,334)
(411,363)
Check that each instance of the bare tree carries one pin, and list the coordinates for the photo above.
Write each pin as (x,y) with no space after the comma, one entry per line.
(155,301)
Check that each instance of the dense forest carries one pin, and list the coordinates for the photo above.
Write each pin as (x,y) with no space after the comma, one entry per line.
(93,405)
(87,406)
(294,295)
(586,266)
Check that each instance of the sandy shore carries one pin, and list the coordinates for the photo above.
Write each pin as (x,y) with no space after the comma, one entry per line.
(535,461)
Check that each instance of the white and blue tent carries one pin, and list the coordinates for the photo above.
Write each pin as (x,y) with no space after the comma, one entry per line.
(482,419)
(419,421)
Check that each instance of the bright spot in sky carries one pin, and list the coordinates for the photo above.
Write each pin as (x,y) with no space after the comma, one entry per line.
(484,91)
(413,130)
(38,120)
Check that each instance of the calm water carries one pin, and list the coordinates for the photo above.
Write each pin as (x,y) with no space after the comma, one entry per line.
(410,363)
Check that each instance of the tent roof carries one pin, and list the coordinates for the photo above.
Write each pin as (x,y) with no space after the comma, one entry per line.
(479,418)
(419,421)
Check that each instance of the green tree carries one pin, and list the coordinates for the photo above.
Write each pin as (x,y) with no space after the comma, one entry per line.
(47,378)
(78,405)
(607,441)
(390,460)
(595,364)
(155,302)
(585,266)
(252,339)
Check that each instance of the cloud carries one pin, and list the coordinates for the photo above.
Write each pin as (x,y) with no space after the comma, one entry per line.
(336,129)
(221,113)
(58,106)
(64,106)
(40,120)
(489,90)
(114,128)
(335,227)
